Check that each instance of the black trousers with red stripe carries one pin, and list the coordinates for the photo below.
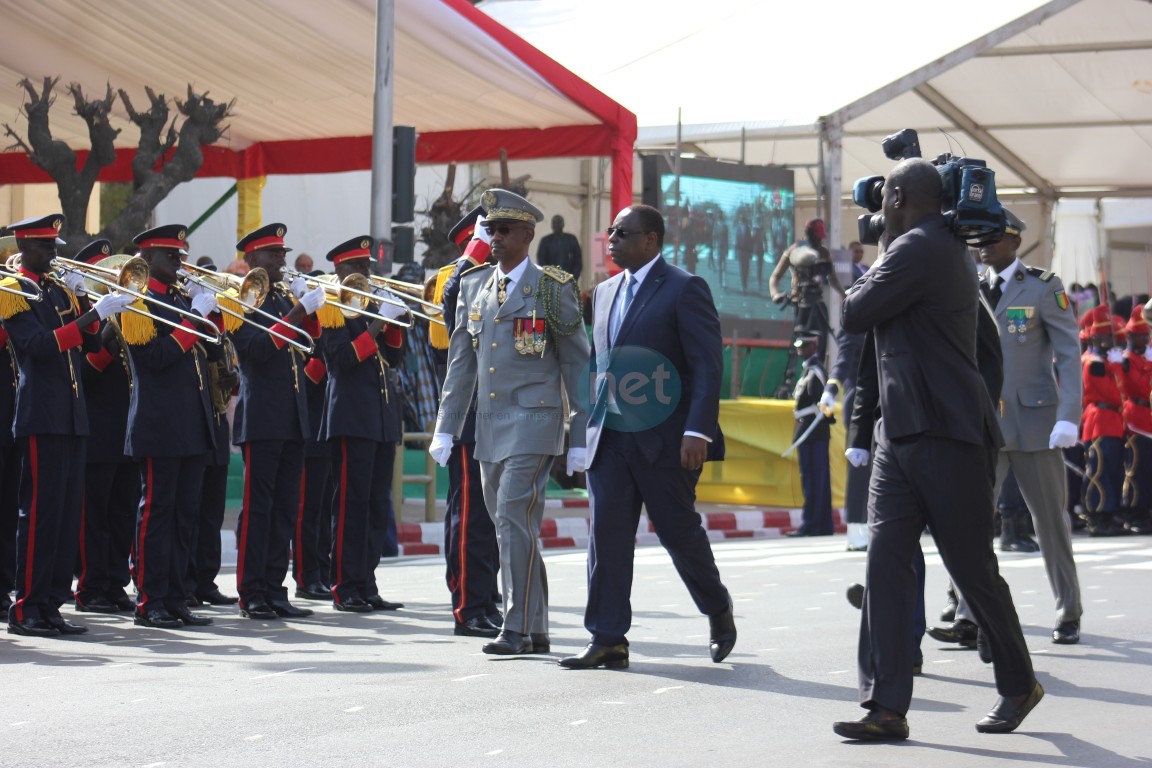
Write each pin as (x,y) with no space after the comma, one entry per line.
(48,530)
(312,545)
(470,549)
(9,514)
(362,476)
(204,562)
(108,524)
(272,471)
(165,527)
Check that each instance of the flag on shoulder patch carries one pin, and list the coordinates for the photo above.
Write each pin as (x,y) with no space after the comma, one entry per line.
(1061,300)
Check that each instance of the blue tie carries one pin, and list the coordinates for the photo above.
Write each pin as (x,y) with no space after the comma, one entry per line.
(622,309)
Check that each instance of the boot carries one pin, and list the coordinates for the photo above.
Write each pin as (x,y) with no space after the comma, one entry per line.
(1012,539)
(1139,522)
(1104,524)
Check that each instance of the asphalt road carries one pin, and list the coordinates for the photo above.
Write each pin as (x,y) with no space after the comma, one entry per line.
(400,690)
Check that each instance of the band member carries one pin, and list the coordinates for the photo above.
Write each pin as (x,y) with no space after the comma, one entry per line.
(271,424)
(9,473)
(111,479)
(312,544)
(1102,425)
(1137,384)
(171,424)
(51,422)
(362,424)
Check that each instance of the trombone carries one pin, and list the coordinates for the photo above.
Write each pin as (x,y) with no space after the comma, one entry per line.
(352,295)
(10,271)
(251,290)
(130,276)
(411,292)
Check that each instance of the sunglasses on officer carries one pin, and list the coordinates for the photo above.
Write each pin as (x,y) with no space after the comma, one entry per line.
(501,229)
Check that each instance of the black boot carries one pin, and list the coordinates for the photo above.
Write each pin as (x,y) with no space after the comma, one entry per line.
(1012,539)
(1104,524)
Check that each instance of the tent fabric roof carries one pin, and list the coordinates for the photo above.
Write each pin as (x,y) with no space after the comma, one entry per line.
(303,71)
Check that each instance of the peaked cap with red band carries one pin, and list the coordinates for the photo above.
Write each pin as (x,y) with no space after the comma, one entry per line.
(466,227)
(166,236)
(41,228)
(95,251)
(270,236)
(359,247)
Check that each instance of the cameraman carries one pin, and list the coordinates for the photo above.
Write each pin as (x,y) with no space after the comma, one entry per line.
(935,458)
(812,269)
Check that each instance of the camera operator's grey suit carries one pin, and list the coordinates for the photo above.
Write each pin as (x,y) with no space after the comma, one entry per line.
(520,413)
(1037,325)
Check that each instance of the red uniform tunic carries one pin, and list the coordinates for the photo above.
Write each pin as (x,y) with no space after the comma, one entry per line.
(1136,385)
(1103,400)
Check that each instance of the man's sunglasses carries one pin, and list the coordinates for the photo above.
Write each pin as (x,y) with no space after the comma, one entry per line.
(622,233)
(501,229)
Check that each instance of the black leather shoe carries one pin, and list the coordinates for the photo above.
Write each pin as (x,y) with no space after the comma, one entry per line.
(352,605)
(983,649)
(495,619)
(541,643)
(477,626)
(258,609)
(122,602)
(286,610)
(190,619)
(1008,713)
(962,631)
(380,604)
(1104,525)
(158,618)
(509,643)
(65,627)
(721,635)
(95,604)
(873,727)
(193,602)
(216,597)
(314,591)
(1066,633)
(594,655)
(855,595)
(33,628)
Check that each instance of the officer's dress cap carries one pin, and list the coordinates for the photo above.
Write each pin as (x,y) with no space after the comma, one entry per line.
(38,228)
(265,238)
(94,251)
(167,236)
(359,247)
(502,205)
(466,227)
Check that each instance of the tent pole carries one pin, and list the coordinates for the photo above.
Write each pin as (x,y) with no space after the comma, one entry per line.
(381,203)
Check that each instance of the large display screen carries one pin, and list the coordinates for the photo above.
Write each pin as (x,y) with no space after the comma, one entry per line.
(728,223)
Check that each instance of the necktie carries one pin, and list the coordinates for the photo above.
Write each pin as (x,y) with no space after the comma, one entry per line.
(502,294)
(995,292)
(623,308)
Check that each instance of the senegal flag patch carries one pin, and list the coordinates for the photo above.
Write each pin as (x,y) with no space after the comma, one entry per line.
(1061,300)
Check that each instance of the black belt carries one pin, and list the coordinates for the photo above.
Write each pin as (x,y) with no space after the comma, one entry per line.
(1107,406)
(1138,401)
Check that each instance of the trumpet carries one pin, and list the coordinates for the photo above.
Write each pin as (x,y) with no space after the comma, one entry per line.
(352,295)
(411,292)
(6,271)
(129,275)
(251,290)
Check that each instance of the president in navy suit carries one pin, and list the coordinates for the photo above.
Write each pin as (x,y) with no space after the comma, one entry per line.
(656,356)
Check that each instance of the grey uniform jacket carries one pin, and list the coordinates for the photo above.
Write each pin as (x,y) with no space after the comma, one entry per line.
(1036,325)
(520,398)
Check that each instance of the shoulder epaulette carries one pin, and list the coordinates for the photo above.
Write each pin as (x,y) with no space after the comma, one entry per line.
(556,274)
(330,316)
(12,304)
(230,300)
(1044,274)
(438,332)
(477,268)
(137,329)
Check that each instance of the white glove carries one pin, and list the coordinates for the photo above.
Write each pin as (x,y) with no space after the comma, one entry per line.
(299,287)
(1148,352)
(312,300)
(195,289)
(577,460)
(204,302)
(440,448)
(1115,355)
(1064,435)
(75,283)
(480,233)
(857,457)
(827,400)
(390,310)
(111,304)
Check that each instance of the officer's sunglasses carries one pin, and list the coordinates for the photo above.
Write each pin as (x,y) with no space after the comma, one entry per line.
(622,233)
(500,229)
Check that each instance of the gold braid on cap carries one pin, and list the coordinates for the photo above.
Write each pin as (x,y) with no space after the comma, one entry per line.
(510,214)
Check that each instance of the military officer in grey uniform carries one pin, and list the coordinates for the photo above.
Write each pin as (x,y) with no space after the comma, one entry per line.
(1039,412)
(520,344)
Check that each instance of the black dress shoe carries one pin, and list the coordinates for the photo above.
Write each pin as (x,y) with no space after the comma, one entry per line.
(65,627)
(258,609)
(1008,713)
(286,610)
(380,604)
(722,635)
(314,591)
(122,602)
(595,655)
(156,617)
(352,605)
(855,595)
(95,604)
(36,627)
(190,619)
(216,597)
(983,648)
(495,619)
(193,602)
(873,727)
(509,643)
(477,626)
(962,631)
(541,643)
(1067,633)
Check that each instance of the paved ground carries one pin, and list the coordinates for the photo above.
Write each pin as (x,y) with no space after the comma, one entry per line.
(400,690)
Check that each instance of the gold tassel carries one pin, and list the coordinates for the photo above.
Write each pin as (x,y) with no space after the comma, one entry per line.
(137,329)
(12,303)
(229,301)
(330,316)
(438,334)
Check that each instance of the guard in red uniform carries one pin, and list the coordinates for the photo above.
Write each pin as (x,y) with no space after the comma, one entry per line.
(1137,386)
(1102,425)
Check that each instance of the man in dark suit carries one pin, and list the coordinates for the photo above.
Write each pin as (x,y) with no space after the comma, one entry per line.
(654,422)
(934,463)
(560,249)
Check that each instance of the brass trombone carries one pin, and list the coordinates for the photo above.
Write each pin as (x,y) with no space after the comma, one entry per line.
(6,271)
(130,276)
(250,292)
(411,292)
(352,295)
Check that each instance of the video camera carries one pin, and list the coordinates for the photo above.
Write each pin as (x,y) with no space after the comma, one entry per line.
(969,201)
